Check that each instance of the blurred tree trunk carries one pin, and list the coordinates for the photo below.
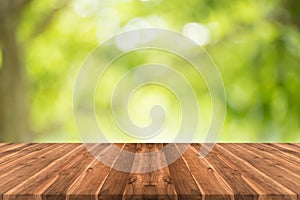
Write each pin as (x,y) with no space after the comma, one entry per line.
(13,84)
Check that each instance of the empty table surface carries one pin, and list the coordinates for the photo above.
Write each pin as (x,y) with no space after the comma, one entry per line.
(229,171)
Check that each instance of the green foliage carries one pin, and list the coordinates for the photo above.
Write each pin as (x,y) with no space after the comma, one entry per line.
(254,44)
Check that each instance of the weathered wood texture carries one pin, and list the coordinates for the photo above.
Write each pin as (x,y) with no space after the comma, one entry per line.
(229,171)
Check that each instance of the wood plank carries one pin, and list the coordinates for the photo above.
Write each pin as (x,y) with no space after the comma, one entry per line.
(281,176)
(152,184)
(264,185)
(3,144)
(211,184)
(9,146)
(280,154)
(288,148)
(115,183)
(185,185)
(278,160)
(20,158)
(296,144)
(32,165)
(11,151)
(89,182)
(229,171)
(35,186)
(65,178)
(290,153)
(241,188)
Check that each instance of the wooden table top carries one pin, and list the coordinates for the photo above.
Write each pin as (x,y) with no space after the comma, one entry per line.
(229,171)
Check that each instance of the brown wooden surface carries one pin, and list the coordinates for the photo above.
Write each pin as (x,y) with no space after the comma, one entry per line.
(229,171)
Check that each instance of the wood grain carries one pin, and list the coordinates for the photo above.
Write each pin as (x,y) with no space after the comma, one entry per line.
(153,184)
(210,183)
(229,171)
(188,188)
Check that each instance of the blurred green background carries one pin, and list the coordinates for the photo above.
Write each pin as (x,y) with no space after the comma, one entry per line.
(255,44)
